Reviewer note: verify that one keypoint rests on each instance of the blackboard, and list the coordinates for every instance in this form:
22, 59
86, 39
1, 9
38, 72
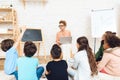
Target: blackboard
32, 35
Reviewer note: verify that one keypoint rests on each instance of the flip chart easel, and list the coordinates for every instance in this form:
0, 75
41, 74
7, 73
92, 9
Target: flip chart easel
101, 21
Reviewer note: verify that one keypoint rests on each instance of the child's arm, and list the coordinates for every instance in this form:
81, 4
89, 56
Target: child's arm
75, 62
47, 75
19, 38
104, 61
47, 72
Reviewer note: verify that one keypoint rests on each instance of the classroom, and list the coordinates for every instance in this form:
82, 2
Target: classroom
41, 20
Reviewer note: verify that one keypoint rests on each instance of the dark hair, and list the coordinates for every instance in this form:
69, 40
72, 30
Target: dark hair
84, 45
63, 22
6, 44
114, 33
110, 32
29, 49
107, 32
112, 40
56, 51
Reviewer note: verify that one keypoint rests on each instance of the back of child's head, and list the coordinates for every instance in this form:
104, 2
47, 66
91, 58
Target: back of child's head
83, 43
56, 51
29, 49
6, 44
112, 40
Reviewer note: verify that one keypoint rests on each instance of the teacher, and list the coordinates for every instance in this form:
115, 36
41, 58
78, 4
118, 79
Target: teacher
63, 33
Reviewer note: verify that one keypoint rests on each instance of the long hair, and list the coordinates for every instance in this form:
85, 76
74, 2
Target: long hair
84, 45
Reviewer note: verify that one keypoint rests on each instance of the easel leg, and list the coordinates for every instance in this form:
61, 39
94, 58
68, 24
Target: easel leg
94, 45
38, 50
44, 54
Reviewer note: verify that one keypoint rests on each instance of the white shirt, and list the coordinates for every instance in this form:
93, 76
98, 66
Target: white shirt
81, 64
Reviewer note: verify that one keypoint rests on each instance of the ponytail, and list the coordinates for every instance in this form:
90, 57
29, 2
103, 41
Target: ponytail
92, 61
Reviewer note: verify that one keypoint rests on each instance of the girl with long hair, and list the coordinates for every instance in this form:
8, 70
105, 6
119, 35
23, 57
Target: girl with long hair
84, 61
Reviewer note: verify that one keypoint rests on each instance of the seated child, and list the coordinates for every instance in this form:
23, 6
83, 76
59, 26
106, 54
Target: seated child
28, 66
84, 65
100, 52
111, 57
9, 46
57, 68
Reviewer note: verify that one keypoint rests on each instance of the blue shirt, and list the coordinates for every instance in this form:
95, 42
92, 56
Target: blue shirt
10, 60
27, 67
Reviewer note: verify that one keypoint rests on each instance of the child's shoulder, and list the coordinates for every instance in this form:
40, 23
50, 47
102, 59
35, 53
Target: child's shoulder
12, 49
56, 61
63, 61
50, 62
27, 58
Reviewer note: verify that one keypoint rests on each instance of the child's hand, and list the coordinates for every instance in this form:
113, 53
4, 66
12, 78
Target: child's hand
46, 72
20, 36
